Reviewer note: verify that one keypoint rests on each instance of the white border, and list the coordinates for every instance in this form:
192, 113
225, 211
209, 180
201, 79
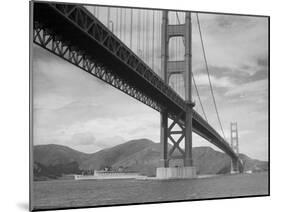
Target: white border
15, 104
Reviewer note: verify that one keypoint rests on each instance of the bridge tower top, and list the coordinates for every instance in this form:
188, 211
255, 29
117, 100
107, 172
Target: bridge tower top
177, 67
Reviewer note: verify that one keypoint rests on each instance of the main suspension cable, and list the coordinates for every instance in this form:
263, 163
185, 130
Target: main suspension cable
208, 73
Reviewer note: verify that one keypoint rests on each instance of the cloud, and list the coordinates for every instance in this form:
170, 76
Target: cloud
253, 88
230, 41
127, 128
224, 82
85, 138
111, 141
86, 142
263, 61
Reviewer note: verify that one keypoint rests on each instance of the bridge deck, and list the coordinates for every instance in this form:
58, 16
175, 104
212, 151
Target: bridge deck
74, 34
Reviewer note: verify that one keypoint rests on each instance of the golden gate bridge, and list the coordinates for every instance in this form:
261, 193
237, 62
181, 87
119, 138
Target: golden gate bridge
145, 53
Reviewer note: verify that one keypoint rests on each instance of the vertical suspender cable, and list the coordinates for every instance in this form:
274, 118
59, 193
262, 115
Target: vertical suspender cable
108, 16
117, 21
97, 11
131, 29
143, 32
125, 25
147, 36
159, 41
121, 15
153, 39
138, 28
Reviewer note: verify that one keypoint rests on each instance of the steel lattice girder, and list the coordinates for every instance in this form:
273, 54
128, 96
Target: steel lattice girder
49, 42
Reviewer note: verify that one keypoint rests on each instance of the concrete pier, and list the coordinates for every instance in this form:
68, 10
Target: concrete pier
186, 172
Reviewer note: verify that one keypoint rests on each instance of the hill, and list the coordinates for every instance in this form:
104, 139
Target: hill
140, 155
53, 154
51, 161
110, 156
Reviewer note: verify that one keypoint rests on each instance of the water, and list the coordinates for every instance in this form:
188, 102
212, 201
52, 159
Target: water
71, 193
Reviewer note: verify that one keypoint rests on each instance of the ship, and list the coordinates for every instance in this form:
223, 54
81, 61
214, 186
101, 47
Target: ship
108, 174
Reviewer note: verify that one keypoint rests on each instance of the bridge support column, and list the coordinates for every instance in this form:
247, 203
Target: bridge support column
164, 162
188, 91
234, 167
164, 139
181, 127
188, 137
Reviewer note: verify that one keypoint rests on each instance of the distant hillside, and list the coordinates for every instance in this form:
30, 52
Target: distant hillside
209, 161
53, 154
51, 161
252, 164
110, 156
141, 155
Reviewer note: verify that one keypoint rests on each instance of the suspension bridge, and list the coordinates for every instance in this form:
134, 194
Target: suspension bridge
146, 54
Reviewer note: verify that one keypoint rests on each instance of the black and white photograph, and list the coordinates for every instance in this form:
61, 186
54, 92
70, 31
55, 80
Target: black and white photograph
132, 105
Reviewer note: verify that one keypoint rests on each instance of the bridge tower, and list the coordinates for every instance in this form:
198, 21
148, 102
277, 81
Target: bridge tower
235, 145
184, 130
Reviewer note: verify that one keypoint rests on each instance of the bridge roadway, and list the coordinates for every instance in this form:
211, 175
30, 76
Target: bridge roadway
74, 34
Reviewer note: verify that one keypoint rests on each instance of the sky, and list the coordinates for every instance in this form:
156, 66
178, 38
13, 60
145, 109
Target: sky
75, 109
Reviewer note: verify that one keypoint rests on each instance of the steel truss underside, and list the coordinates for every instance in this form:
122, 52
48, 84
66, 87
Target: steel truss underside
48, 41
